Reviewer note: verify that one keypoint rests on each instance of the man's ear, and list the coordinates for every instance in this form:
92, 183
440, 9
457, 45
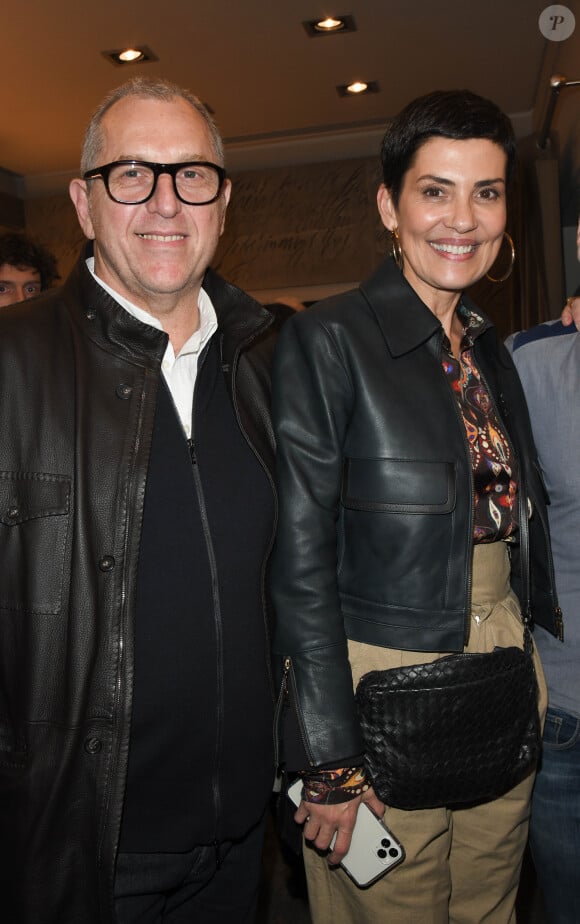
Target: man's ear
386, 207
79, 193
224, 200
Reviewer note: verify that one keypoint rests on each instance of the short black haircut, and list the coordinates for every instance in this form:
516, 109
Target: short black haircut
456, 114
23, 252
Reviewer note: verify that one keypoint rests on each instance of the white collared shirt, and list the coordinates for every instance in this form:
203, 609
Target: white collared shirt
180, 371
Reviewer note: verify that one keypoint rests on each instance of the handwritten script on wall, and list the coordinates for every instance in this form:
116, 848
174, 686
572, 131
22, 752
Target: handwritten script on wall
310, 224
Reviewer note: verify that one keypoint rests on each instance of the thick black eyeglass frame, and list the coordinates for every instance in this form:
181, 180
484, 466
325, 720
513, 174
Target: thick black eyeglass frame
157, 169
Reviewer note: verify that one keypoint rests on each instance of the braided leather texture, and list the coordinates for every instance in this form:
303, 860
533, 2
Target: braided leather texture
462, 730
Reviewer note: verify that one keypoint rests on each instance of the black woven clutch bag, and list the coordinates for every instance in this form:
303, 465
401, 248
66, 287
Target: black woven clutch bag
462, 730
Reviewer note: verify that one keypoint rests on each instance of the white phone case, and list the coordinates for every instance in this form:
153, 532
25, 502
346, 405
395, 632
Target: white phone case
373, 851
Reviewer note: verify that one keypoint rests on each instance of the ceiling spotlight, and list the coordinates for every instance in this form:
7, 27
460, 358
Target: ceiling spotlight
331, 25
358, 88
135, 55
131, 55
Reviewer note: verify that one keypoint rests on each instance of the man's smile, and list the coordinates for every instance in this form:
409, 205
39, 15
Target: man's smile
164, 238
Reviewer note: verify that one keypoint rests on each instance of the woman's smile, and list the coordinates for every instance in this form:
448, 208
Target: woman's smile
450, 217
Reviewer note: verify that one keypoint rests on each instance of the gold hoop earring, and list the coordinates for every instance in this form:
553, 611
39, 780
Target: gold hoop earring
396, 252
507, 274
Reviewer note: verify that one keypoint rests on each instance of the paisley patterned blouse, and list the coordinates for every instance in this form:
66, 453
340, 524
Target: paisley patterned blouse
492, 458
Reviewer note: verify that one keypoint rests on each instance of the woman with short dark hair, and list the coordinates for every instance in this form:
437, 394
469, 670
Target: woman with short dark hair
412, 525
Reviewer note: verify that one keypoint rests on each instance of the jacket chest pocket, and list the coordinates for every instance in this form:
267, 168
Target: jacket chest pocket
34, 520
403, 486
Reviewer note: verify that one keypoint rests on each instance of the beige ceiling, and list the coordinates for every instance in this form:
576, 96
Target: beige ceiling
272, 88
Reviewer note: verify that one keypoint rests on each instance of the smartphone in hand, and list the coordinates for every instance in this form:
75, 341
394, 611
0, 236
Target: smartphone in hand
373, 850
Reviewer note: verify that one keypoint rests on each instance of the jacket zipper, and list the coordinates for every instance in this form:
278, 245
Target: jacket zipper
112, 803
232, 372
216, 605
213, 565
288, 693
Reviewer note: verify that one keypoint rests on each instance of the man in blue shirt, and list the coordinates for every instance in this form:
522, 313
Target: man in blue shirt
548, 361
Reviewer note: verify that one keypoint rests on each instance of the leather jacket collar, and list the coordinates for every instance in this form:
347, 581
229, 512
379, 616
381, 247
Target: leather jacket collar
107, 324
404, 319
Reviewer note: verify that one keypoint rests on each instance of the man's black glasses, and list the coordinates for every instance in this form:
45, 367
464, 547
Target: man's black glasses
131, 182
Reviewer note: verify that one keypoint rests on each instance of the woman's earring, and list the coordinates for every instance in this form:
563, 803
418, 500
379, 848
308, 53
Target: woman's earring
396, 252
508, 272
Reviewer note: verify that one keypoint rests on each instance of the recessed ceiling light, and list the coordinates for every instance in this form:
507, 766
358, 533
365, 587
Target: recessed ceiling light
138, 54
358, 88
131, 55
330, 25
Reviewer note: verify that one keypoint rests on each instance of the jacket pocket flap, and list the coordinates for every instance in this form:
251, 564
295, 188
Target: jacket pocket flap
29, 495
398, 486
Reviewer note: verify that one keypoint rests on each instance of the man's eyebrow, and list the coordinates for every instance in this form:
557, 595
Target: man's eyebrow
186, 159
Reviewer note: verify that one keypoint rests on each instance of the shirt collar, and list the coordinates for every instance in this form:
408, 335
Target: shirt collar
207, 316
473, 322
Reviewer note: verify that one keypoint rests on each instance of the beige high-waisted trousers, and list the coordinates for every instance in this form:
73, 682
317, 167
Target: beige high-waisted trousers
461, 866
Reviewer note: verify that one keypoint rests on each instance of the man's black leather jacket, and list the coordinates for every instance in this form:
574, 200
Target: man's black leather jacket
78, 384
376, 498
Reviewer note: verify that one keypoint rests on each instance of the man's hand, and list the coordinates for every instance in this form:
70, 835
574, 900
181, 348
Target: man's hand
322, 822
571, 312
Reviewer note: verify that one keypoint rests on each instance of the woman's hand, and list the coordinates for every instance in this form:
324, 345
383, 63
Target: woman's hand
571, 312
322, 822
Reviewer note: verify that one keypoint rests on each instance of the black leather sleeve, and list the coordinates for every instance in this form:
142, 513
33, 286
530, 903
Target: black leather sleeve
312, 405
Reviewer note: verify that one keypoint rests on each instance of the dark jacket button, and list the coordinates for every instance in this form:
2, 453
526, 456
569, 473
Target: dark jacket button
93, 745
13, 513
124, 391
91, 315
107, 563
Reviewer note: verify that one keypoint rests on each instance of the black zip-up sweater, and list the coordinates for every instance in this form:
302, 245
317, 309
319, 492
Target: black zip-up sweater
200, 762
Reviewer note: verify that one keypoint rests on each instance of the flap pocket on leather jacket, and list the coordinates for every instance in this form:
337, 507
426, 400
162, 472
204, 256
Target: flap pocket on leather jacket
398, 486
34, 520
28, 495
12, 749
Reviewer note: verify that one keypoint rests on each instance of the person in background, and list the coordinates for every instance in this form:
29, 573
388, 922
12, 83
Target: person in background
547, 358
137, 517
577, 292
284, 308
571, 310
406, 476
26, 268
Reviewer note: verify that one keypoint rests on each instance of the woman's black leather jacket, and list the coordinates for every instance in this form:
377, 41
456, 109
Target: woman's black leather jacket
376, 497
